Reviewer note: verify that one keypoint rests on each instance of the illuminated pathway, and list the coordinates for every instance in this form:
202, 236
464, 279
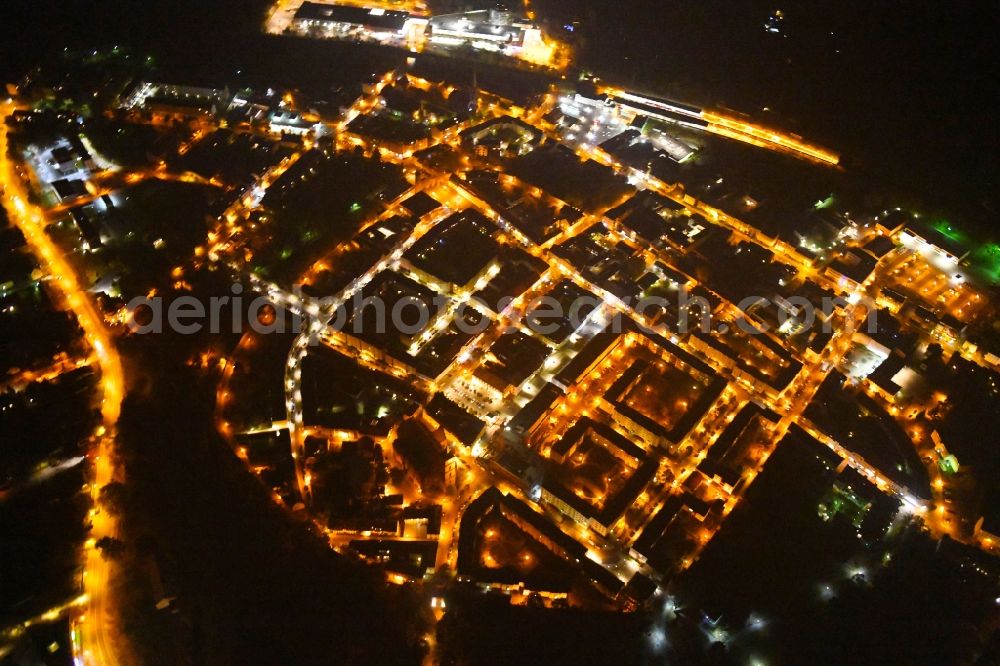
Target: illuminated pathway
317, 330
765, 137
91, 642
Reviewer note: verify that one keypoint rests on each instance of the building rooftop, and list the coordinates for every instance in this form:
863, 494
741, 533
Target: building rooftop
855, 264
384, 19
529, 415
725, 457
599, 345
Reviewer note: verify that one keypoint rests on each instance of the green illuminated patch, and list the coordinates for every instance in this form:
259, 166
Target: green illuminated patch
841, 500
986, 261
945, 228
949, 465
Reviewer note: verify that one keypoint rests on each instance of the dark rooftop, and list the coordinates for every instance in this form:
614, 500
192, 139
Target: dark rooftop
387, 19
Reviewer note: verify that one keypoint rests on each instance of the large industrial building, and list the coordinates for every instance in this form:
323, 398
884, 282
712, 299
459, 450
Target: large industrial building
333, 20
489, 30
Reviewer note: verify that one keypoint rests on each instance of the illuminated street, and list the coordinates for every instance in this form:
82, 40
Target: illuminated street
471, 333
96, 644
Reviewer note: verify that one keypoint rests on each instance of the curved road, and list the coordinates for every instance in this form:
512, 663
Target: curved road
92, 643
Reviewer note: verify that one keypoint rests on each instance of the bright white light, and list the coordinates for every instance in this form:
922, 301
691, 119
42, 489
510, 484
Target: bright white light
657, 639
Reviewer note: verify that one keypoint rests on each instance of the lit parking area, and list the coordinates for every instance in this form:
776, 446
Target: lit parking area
941, 285
589, 124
